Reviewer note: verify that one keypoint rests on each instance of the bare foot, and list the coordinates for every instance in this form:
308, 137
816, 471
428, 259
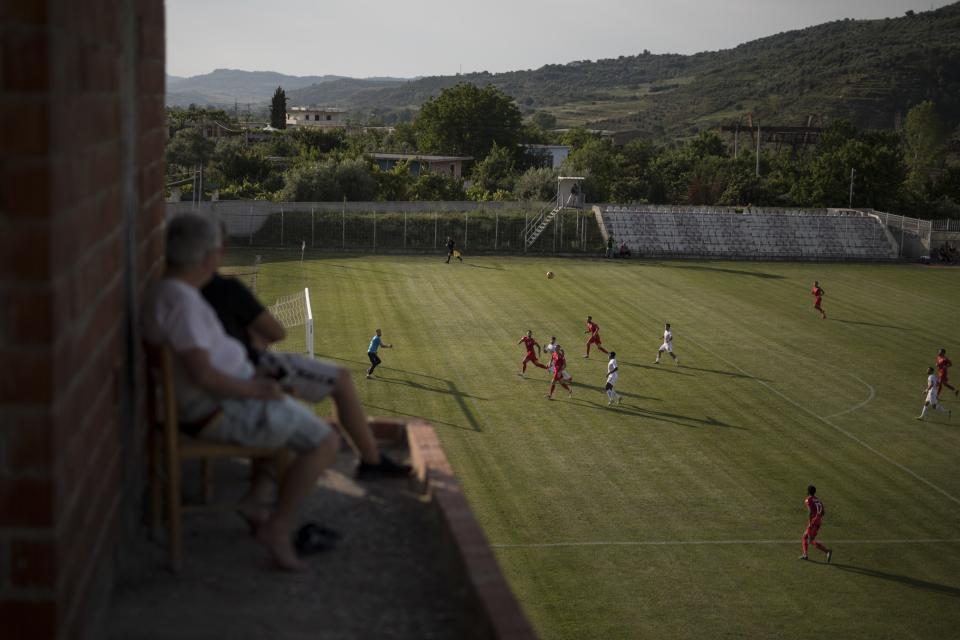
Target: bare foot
255, 514
277, 541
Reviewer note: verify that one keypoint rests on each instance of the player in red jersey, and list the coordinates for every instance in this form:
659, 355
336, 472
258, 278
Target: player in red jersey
943, 364
815, 508
559, 364
594, 330
530, 344
818, 294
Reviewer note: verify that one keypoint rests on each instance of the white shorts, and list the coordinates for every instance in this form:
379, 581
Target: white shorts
932, 397
267, 423
666, 346
307, 379
612, 378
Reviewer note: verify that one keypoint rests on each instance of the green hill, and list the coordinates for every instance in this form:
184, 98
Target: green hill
867, 71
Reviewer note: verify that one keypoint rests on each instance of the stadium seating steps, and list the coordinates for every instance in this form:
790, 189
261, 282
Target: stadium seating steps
726, 233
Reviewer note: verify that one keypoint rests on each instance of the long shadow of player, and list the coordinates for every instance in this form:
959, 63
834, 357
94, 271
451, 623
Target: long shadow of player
870, 324
621, 393
737, 272
732, 374
904, 580
482, 266
451, 389
669, 368
659, 416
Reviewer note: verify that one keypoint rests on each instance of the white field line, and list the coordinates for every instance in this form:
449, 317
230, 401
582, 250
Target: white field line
826, 421
873, 392
694, 543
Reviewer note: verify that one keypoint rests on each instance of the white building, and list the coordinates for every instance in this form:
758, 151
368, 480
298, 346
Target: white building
550, 156
323, 117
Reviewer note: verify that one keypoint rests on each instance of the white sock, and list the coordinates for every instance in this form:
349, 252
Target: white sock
923, 412
610, 394
941, 408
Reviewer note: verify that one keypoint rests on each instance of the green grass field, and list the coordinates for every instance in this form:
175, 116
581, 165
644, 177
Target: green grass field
678, 514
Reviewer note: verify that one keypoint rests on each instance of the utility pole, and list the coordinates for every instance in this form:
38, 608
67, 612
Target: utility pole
850, 203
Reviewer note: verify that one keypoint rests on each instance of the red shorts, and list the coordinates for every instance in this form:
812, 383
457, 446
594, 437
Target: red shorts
557, 375
595, 339
530, 357
816, 303
812, 529
942, 376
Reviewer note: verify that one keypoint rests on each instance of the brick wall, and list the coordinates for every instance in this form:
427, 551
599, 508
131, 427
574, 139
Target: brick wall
81, 144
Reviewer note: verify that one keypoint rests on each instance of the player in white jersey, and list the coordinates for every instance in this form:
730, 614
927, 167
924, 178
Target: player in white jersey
612, 369
667, 345
550, 348
931, 399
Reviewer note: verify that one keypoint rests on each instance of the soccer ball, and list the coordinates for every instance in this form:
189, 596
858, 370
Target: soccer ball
550, 275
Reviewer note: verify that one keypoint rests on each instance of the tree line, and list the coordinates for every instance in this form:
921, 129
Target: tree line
910, 172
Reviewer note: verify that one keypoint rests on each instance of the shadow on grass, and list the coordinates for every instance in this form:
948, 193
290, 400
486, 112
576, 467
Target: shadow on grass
671, 368
736, 272
600, 389
434, 421
659, 416
450, 389
480, 266
904, 580
732, 374
870, 324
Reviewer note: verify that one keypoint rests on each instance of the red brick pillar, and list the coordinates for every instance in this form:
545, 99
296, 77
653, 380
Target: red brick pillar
81, 144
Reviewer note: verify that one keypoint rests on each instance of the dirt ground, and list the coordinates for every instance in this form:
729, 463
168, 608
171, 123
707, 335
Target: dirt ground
392, 576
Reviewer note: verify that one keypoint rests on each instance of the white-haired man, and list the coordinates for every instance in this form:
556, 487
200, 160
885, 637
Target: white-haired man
218, 394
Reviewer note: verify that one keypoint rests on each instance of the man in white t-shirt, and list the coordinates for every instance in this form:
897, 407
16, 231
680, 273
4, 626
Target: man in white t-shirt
667, 345
931, 399
612, 375
218, 395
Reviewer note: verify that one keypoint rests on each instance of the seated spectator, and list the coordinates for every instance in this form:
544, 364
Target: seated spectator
624, 250
244, 318
219, 397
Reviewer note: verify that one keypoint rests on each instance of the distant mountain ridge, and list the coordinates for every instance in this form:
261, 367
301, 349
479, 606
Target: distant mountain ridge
222, 87
867, 71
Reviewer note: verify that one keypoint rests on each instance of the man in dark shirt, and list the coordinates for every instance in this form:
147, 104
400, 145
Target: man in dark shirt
242, 315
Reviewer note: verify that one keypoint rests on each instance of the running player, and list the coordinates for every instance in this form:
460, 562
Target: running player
815, 508
375, 343
559, 363
612, 368
818, 294
594, 330
943, 363
931, 399
530, 344
550, 348
667, 345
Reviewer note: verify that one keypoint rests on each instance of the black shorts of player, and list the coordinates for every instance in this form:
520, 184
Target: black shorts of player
374, 361
608, 387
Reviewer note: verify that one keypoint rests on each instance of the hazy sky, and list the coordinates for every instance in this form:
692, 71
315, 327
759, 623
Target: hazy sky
363, 38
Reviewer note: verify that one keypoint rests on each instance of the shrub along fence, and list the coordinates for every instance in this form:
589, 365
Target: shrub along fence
395, 227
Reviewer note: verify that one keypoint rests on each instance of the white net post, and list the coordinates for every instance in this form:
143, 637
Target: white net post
308, 325
295, 314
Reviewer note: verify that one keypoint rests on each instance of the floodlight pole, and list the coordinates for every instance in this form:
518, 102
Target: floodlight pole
758, 149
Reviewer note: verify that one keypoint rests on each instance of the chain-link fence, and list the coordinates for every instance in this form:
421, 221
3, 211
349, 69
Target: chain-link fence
403, 227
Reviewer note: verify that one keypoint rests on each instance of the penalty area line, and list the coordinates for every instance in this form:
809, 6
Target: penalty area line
696, 543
